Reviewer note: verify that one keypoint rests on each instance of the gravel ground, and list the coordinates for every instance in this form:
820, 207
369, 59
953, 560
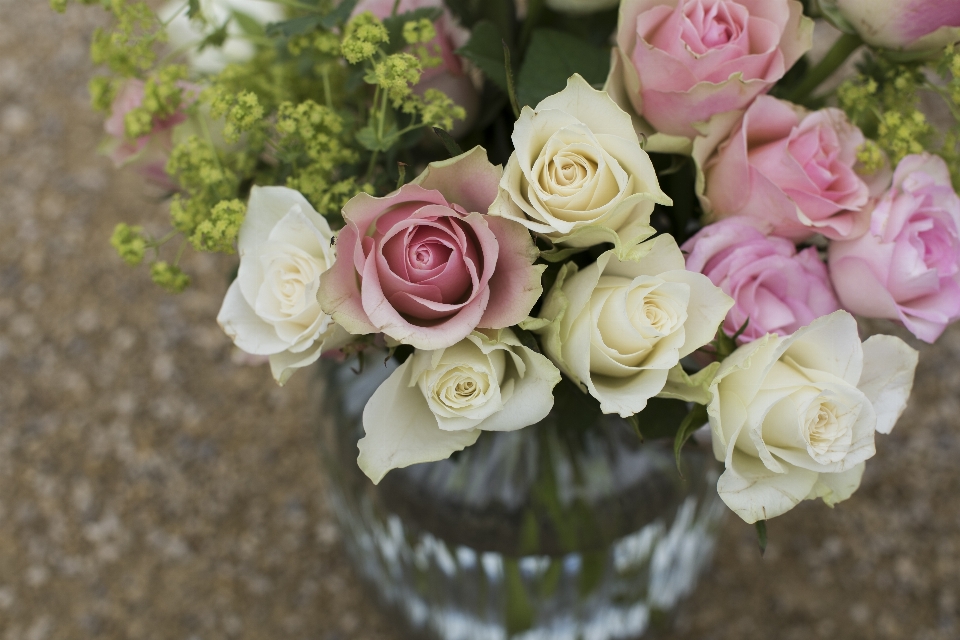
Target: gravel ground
151, 488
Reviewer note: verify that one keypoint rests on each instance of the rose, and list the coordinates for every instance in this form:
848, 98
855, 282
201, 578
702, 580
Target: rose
187, 34
793, 418
775, 289
425, 266
792, 170
908, 25
618, 327
579, 175
271, 308
581, 6
680, 62
148, 153
438, 402
450, 76
907, 266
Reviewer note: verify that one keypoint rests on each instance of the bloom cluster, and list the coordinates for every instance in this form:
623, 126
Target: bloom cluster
689, 221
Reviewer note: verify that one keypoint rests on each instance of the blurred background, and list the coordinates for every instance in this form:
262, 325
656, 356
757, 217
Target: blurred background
153, 487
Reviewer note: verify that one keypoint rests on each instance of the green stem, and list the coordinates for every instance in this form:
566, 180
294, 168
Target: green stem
326, 87
293, 4
839, 52
183, 245
165, 23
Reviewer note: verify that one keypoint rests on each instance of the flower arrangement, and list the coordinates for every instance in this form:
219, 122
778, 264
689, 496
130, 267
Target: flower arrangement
657, 200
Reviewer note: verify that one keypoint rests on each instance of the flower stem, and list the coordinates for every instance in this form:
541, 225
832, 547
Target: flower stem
839, 52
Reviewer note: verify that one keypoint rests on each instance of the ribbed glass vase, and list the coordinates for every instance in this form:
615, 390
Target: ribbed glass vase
551, 532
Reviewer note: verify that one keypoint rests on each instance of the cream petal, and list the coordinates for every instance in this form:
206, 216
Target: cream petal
247, 330
400, 429
889, 365
707, 308
755, 493
591, 107
837, 487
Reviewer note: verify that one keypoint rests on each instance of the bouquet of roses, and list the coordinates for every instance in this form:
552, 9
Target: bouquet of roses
657, 200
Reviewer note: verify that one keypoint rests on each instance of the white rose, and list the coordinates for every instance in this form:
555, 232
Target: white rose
186, 34
618, 327
579, 175
271, 308
793, 418
438, 402
582, 6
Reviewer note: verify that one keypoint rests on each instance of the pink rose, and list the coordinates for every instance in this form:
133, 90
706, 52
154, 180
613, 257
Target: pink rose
909, 25
791, 169
147, 153
907, 266
778, 289
450, 77
683, 61
426, 266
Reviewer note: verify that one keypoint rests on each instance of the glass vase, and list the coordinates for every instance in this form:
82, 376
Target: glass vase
552, 532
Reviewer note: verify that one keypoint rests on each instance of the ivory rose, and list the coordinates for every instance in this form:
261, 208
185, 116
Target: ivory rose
450, 76
578, 174
618, 327
793, 418
790, 169
438, 402
773, 286
904, 25
680, 62
907, 266
271, 308
184, 34
426, 266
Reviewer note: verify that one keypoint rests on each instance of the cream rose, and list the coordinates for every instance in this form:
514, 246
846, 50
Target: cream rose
438, 402
618, 327
793, 418
271, 309
578, 175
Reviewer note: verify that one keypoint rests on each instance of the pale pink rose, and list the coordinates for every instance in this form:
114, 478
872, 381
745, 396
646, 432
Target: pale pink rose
777, 288
148, 154
684, 61
426, 266
793, 170
907, 266
907, 25
450, 77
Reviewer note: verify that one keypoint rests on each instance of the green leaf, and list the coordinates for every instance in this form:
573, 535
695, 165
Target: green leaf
661, 418
519, 614
485, 49
250, 26
761, 526
216, 38
553, 57
448, 142
369, 139
294, 26
394, 25
339, 15
694, 420
193, 9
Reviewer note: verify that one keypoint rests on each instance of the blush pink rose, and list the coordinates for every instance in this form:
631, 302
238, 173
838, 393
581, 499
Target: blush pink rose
907, 266
683, 61
148, 154
426, 266
793, 170
777, 288
908, 25
451, 77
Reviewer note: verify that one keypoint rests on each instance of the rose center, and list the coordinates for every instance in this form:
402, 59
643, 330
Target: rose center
428, 255
461, 388
571, 170
708, 28
826, 428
